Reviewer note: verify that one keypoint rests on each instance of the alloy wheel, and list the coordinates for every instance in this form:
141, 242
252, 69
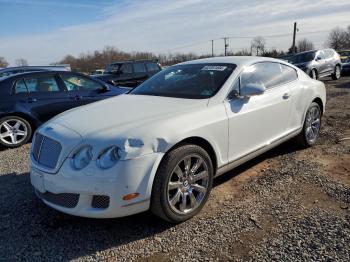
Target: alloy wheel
313, 123
188, 184
337, 72
13, 131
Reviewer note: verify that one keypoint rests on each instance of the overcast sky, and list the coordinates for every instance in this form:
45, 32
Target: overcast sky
45, 31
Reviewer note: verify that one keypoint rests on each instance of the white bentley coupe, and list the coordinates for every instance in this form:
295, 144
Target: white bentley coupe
159, 147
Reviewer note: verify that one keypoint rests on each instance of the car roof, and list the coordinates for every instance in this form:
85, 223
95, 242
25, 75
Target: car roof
237, 60
131, 61
31, 73
48, 67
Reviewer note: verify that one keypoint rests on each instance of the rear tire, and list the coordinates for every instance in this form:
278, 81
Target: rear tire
182, 183
311, 127
337, 73
14, 131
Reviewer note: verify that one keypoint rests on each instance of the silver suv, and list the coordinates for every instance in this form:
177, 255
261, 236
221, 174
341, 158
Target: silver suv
318, 63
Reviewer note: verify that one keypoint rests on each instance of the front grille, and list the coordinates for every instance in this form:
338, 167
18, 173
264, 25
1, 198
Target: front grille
68, 200
99, 201
46, 151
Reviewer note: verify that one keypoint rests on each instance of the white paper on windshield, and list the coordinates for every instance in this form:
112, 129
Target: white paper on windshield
214, 68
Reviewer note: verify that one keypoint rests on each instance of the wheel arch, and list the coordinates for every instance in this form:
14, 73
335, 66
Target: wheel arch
26, 117
203, 143
319, 101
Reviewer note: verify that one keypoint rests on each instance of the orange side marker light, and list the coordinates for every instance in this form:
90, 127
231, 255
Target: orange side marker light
130, 196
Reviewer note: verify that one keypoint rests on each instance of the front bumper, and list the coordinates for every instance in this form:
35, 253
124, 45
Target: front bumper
75, 192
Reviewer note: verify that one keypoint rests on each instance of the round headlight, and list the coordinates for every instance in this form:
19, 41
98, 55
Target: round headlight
82, 157
108, 157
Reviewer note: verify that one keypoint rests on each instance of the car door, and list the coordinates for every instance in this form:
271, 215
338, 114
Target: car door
45, 98
257, 121
331, 60
322, 65
83, 90
126, 76
140, 72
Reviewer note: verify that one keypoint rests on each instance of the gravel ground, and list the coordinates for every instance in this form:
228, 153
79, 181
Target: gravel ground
288, 204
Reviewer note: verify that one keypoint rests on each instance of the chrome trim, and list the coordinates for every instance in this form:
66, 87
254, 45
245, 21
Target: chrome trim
223, 169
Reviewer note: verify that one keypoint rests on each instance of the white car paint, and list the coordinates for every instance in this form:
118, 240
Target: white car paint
145, 128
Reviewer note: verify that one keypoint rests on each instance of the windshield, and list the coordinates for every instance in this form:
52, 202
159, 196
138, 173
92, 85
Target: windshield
302, 58
112, 68
187, 81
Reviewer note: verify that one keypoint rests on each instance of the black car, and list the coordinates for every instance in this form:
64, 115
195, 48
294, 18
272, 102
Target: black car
29, 99
129, 73
318, 63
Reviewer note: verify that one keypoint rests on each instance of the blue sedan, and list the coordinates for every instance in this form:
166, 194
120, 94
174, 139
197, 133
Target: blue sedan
27, 100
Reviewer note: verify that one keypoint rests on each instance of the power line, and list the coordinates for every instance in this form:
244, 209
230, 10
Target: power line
240, 37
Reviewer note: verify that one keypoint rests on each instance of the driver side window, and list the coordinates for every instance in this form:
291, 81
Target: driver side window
266, 74
78, 83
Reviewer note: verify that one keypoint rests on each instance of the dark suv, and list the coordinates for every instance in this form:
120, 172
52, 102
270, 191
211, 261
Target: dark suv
29, 99
129, 73
318, 63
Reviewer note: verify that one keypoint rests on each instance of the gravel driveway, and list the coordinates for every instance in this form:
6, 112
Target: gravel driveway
288, 204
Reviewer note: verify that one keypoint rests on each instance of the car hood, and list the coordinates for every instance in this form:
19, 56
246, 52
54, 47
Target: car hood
125, 113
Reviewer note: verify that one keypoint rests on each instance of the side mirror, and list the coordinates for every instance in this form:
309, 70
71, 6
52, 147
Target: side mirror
105, 88
252, 90
318, 58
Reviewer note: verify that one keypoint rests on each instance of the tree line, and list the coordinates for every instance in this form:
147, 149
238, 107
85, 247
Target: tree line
338, 39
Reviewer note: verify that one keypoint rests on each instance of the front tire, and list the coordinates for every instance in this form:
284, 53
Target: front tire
337, 73
182, 183
14, 131
311, 127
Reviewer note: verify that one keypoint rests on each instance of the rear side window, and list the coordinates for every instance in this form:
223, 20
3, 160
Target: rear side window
42, 84
126, 68
288, 74
139, 68
266, 73
152, 67
20, 87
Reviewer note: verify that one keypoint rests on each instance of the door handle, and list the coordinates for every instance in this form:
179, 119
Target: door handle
31, 100
77, 98
286, 96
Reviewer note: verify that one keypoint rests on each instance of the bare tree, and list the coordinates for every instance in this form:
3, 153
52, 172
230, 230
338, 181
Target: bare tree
3, 62
21, 62
338, 38
305, 45
258, 44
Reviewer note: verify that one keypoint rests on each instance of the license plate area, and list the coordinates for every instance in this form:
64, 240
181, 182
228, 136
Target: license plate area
37, 180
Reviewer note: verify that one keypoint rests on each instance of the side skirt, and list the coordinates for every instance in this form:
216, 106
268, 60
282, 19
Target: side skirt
255, 153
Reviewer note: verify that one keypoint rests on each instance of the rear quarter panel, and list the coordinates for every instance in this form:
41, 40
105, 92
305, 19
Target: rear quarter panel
305, 91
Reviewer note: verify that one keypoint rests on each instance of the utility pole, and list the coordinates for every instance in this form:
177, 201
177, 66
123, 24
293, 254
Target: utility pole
294, 34
226, 45
212, 47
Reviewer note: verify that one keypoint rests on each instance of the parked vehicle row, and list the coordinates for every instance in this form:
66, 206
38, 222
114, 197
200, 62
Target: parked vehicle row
159, 146
318, 63
27, 100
